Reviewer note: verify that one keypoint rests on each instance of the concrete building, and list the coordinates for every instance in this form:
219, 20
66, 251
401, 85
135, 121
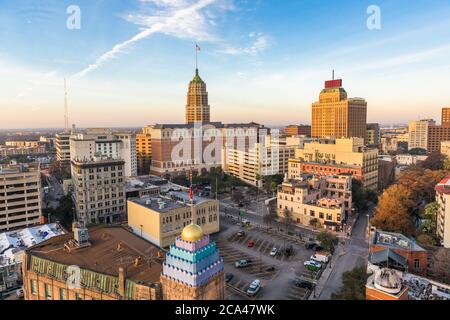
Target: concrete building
103, 142
20, 196
298, 130
443, 214
445, 117
326, 200
437, 134
418, 133
63, 148
12, 246
197, 107
144, 150
445, 148
160, 219
21, 143
98, 189
328, 156
409, 159
142, 186
336, 115
112, 264
13, 151
263, 159
389, 145
372, 134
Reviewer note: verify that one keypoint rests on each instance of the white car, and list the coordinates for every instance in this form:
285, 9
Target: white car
274, 252
254, 287
19, 293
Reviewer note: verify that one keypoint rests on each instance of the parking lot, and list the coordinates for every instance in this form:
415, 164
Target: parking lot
277, 273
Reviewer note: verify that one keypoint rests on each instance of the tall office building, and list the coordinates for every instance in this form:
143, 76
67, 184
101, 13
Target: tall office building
20, 196
372, 134
335, 115
298, 130
144, 150
63, 148
418, 133
445, 117
197, 107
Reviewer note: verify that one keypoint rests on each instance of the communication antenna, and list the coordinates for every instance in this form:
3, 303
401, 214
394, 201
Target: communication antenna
66, 112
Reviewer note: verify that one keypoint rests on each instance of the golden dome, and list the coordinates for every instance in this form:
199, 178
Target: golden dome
192, 233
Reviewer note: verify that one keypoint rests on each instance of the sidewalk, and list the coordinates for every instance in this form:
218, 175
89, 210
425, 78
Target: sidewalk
340, 251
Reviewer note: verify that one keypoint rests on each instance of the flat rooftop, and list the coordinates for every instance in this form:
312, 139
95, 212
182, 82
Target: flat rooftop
12, 243
105, 255
394, 241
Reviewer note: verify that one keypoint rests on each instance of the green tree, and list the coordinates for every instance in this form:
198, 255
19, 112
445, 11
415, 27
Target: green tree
288, 221
327, 240
314, 222
429, 218
353, 285
237, 196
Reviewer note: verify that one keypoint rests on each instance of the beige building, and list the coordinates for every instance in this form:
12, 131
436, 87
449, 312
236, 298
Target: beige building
99, 189
22, 143
20, 196
349, 153
327, 200
197, 107
144, 150
160, 219
100, 263
418, 133
443, 214
63, 148
336, 115
445, 148
372, 134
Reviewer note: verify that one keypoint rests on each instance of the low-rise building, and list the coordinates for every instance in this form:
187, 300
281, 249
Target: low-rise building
100, 263
443, 214
160, 219
12, 246
142, 186
445, 148
325, 200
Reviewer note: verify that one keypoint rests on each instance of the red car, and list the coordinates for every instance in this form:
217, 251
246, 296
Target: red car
250, 244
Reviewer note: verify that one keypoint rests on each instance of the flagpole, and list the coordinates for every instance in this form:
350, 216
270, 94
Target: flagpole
196, 57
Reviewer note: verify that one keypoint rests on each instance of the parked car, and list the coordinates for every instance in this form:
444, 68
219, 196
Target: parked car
321, 256
250, 244
289, 250
312, 265
229, 277
241, 234
254, 287
242, 263
304, 284
310, 245
274, 252
20, 293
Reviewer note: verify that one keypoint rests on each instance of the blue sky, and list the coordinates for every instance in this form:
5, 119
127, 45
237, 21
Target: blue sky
263, 60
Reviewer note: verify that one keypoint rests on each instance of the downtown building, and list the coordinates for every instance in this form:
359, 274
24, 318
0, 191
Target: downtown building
297, 130
443, 215
20, 196
62, 143
317, 201
144, 150
418, 133
372, 135
337, 156
336, 115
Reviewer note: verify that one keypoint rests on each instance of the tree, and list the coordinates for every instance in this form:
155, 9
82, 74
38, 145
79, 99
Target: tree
441, 263
353, 285
435, 161
426, 239
361, 196
287, 219
327, 240
393, 210
418, 151
269, 217
429, 218
63, 213
237, 196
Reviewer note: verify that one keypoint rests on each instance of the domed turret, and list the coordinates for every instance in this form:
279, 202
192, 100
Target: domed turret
192, 233
388, 280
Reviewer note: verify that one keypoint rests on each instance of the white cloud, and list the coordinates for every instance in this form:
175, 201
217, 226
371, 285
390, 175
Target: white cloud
260, 43
178, 18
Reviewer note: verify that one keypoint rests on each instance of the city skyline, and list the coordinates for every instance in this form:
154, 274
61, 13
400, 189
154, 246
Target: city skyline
139, 56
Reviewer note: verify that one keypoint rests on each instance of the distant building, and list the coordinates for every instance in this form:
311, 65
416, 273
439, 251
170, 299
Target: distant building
193, 269
12, 246
416, 258
437, 134
22, 143
197, 107
372, 134
98, 189
298, 130
445, 148
142, 186
144, 150
113, 264
418, 133
333, 156
409, 159
445, 117
63, 148
160, 219
336, 115
326, 199
389, 145
386, 172
13, 151
443, 214
20, 196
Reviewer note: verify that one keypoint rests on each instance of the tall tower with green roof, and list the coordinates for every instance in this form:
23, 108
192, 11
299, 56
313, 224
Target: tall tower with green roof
197, 107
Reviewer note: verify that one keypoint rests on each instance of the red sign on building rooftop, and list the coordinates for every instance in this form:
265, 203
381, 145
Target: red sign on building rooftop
333, 83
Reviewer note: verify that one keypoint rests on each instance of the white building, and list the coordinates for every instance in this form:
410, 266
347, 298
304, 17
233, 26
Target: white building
418, 133
63, 148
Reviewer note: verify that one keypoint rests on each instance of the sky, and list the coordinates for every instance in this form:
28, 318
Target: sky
129, 62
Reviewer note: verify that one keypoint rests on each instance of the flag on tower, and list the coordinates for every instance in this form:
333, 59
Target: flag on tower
197, 48
191, 195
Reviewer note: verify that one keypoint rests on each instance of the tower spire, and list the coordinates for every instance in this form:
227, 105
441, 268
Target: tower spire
197, 50
333, 74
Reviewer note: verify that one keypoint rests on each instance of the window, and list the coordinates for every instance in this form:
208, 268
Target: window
62, 294
33, 285
48, 292
416, 264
